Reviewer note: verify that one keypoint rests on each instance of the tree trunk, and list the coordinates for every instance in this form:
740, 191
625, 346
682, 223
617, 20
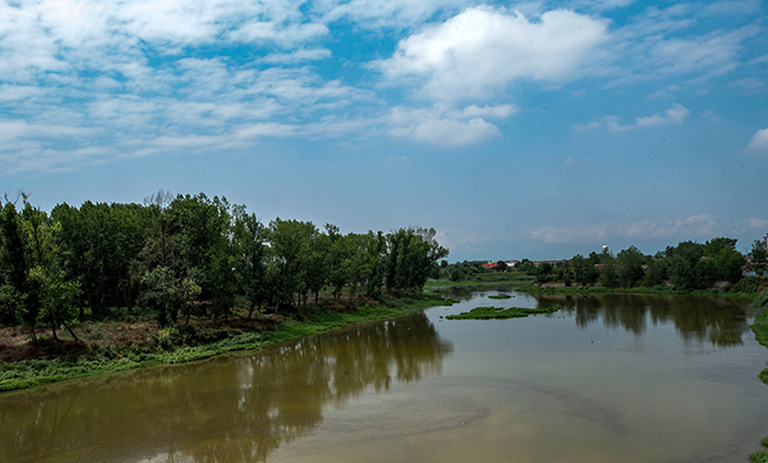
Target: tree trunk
71, 332
53, 326
32, 332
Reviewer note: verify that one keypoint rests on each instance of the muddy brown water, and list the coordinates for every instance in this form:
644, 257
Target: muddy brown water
606, 379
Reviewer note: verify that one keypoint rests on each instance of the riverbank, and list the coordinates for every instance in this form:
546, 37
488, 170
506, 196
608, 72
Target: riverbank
600, 290
173, 345
481, 281
760, 328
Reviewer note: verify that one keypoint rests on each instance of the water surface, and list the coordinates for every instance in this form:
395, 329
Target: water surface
610, 378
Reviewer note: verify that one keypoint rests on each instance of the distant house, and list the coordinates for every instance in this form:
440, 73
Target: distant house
755, 267
511, 263
490, 265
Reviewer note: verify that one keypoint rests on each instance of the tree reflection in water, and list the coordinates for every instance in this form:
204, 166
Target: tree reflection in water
718, 321
232, 409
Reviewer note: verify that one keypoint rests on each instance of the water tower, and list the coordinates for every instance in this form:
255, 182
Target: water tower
605, 248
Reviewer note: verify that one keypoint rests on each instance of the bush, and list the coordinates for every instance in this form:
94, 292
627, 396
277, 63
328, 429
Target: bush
750, 285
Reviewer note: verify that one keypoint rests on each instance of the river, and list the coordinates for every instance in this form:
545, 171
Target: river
605, 379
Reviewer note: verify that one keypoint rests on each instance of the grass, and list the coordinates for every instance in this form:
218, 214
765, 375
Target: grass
480, 280
656, 290
500, 296
495, 313
29, 373
760, 327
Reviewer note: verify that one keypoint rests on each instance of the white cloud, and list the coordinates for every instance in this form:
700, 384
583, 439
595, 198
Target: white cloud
695, 226
755, 222
759, 141
297, 56
483, 49
384, 14
446, 126
285, 35
572, 234
699, 226
666, 43
672, 116
15, 129
714, 53
600, 5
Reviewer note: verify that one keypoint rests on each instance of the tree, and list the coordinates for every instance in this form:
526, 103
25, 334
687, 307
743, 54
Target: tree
609, 277
583, 270
758, 251
18, 292
722, 262
544, 273
251, 257
629, 266
161, 294
99, 242
200, 228
684, 269
409, 256
657, 271
291, 242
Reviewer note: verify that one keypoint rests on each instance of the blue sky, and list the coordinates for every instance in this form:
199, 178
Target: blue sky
516, 129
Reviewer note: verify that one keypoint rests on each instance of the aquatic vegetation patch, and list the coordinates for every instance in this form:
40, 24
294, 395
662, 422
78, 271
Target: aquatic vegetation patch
496, 313
759, 457
500, 296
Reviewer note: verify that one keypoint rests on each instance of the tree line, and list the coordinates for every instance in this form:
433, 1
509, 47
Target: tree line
188, 255
689, 266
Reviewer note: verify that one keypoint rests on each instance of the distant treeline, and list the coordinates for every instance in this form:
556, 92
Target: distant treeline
688, 266
188, 255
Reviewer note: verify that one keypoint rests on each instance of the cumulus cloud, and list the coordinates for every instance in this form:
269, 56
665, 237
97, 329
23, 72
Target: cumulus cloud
754, 222
483, 49
572, 234
445, 126
759, 141
695, 226
698, 226
672, 116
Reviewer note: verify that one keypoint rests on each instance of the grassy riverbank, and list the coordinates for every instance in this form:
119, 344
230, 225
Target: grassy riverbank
760, 327
173, 345
482, 280
599, 290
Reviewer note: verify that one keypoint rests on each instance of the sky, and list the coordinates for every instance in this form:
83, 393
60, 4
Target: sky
537, 129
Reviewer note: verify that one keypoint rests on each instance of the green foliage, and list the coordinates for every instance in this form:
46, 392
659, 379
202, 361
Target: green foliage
499, 296
759, 457
495, 313
758, 251
409, 256
656, 273
750, 284
629, 267
684, 269
544, 273
609, 277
